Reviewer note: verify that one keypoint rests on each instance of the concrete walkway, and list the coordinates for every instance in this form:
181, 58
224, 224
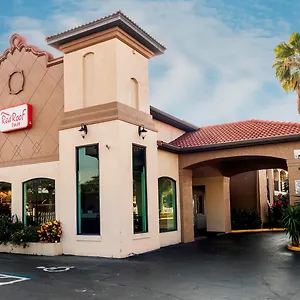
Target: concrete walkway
236, 267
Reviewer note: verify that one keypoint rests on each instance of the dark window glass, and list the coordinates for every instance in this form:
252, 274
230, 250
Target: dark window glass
167, 204
39, 201
140, 222
88, 203
5, 198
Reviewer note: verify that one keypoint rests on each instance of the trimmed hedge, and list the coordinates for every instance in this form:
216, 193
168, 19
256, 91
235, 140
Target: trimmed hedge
245, 219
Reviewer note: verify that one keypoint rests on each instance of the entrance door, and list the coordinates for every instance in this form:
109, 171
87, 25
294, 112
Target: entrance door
199, 213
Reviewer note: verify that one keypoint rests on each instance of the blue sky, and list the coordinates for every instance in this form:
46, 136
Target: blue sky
218, 63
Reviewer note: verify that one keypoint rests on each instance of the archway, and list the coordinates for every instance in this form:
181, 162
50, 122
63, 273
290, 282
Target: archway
214, 174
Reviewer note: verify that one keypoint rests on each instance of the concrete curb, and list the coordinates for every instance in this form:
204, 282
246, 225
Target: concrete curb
258, 230
293, 248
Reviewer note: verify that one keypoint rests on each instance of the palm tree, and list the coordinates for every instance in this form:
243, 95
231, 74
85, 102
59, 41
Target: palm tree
291, 223
287, 65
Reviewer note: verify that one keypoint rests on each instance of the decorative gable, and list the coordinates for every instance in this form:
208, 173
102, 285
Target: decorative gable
31, 75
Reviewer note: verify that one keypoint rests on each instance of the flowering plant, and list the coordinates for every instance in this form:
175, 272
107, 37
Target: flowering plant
279, 206
50, 232
281, 201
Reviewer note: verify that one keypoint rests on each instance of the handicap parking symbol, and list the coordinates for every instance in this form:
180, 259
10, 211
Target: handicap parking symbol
55, 269
6, 279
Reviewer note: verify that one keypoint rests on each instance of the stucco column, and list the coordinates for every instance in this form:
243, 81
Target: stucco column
16, 204
262, 194
217, 204
294, 174
186, 205
270, 174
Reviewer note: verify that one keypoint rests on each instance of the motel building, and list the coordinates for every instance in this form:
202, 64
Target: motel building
80, 142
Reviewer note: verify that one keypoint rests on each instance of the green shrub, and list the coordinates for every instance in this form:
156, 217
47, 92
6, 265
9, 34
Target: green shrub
8, 226
291, 222
25, 235
13, 231
245, 219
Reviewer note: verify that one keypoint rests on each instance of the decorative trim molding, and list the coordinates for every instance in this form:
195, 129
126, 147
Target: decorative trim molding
103, 36
30, 161
105, 113
21, 88
117, 19
18, 42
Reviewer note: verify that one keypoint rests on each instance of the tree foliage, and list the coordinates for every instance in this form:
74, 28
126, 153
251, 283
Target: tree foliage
287, 64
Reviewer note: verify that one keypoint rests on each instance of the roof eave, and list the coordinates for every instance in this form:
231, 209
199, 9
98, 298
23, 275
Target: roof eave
167, 147
116, 20
166, 118
231, 145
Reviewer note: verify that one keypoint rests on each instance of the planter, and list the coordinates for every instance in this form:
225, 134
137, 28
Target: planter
293, 248
46, 249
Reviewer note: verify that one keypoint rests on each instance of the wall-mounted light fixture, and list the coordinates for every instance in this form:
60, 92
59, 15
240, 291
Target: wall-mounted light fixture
142, 131
83, 130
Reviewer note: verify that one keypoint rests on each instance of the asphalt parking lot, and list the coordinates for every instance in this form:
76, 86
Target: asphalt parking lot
236, 267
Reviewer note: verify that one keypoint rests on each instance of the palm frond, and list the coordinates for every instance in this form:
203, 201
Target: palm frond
294, 41
287, 64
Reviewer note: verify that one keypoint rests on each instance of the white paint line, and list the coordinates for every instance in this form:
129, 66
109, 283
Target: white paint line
15, 279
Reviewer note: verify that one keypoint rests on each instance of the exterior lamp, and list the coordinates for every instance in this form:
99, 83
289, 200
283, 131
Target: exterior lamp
142, 131
83, 130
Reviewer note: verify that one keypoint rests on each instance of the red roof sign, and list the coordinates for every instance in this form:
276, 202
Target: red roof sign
16, 118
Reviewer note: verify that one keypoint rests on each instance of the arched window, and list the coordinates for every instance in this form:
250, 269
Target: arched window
5, 198
38, 201
167, 204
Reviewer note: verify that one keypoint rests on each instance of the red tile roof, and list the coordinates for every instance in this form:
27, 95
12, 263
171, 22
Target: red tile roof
236, 132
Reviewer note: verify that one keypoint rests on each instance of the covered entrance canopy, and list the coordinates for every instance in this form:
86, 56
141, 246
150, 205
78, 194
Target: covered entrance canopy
210, 155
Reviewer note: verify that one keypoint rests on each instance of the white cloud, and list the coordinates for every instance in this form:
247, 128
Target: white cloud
217, 68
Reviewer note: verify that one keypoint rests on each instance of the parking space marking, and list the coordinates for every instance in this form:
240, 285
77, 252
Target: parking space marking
11, 279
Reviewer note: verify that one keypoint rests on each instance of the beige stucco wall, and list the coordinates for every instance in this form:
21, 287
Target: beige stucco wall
217, 203
131, 64
166, 132
168, 167
115, 64
19, 174
243, 191
104, 75
115, 140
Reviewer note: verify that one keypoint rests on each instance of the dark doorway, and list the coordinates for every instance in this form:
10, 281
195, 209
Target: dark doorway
199, 210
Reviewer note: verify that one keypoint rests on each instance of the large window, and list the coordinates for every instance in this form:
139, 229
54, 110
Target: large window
5, 198
39, 201
140, 222
167, 204
88, 199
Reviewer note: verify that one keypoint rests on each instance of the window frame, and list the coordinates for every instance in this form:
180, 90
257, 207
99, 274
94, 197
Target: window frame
78, 210
175, 219
24, 219
146, 187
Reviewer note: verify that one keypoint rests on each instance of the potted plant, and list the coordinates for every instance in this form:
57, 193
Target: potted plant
291, 221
